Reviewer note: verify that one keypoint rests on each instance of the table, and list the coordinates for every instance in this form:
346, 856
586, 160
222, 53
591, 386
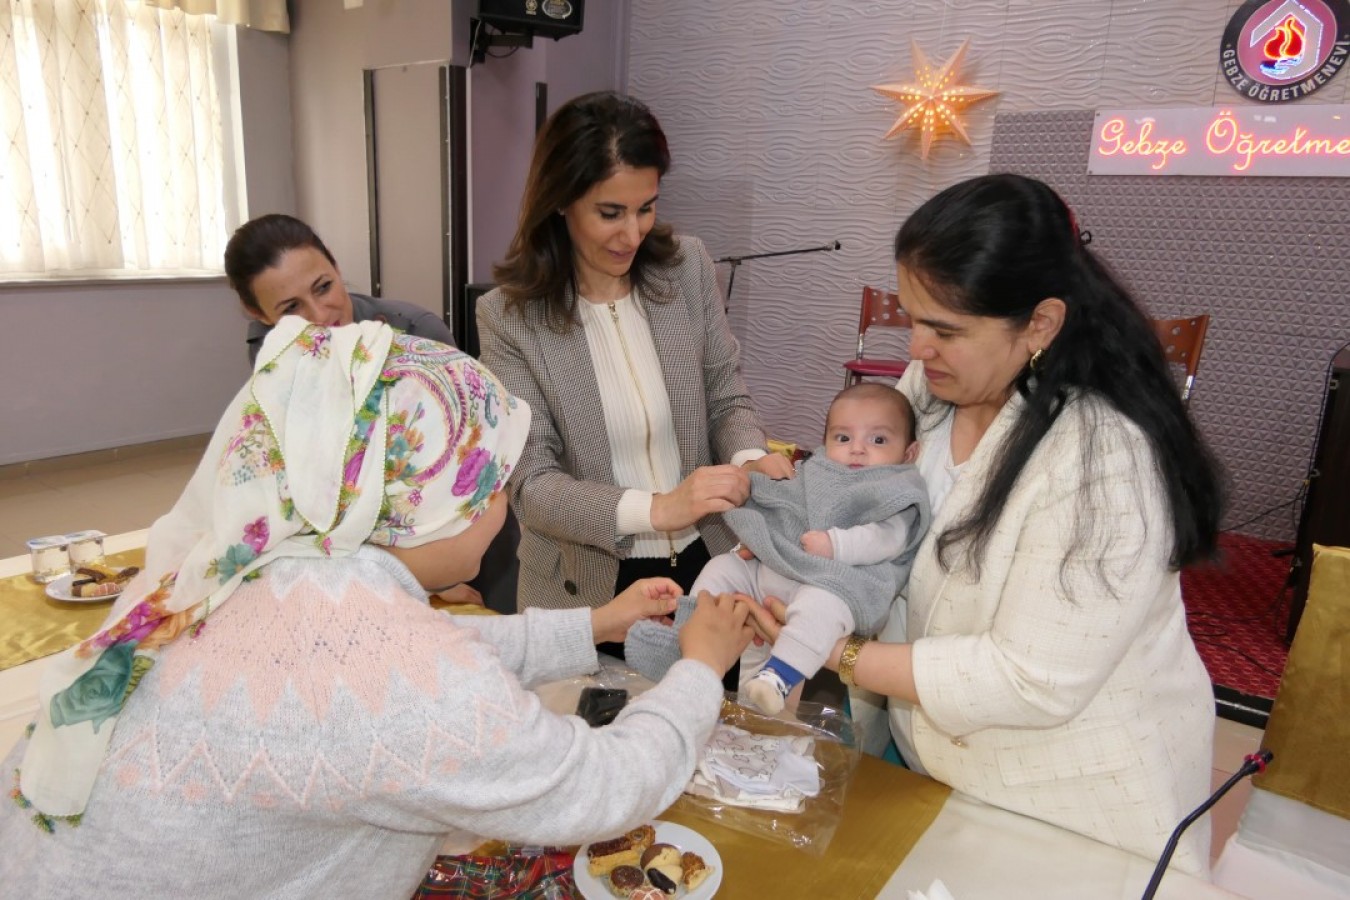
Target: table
19, 684
977, 850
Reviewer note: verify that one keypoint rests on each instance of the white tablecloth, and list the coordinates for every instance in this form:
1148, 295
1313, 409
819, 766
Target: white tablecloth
981, 851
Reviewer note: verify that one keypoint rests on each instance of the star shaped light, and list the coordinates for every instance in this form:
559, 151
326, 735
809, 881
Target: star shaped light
934, 98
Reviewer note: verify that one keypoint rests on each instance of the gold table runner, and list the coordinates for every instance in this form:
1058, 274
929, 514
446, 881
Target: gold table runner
460, 609
886, 810
37, 626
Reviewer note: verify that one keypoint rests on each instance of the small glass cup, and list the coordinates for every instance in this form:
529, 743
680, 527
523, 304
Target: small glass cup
85, 547
49, 558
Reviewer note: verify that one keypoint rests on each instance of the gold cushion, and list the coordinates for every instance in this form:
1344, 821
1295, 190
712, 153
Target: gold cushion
1309, 728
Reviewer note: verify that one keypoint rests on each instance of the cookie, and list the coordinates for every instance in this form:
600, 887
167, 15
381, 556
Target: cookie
623, 880
693, 870
626, 850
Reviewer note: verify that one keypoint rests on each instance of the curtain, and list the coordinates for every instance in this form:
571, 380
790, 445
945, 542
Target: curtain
265, 15
110, 140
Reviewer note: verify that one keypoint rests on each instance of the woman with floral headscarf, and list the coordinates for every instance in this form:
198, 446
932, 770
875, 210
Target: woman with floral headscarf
272, 708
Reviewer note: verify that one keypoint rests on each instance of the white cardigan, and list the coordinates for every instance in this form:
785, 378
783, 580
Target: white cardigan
1091, 711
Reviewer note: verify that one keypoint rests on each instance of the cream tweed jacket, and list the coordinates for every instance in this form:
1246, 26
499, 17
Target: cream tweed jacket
562, 489
1069, 693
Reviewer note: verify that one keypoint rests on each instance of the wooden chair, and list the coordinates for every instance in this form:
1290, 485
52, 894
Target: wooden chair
880, 309
1182, 341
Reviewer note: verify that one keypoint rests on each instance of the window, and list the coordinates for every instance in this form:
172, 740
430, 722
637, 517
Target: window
111, 157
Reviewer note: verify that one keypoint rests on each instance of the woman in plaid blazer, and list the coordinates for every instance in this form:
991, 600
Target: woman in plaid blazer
615, 333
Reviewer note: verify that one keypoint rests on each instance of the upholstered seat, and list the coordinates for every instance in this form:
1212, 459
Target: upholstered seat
1294, 836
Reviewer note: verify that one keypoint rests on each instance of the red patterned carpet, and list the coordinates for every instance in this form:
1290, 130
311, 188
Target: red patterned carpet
1237, 610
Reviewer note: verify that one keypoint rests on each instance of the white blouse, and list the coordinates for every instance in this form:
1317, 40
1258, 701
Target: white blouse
939, 475
638, 421
936, 466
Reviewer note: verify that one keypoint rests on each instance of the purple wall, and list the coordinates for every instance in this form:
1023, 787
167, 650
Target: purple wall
1262, 256
501, 102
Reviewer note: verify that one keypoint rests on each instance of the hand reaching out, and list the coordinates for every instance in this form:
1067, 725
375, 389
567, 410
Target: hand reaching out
775, 465
817, 543
648, 598
717, 632
708, 489
768, 620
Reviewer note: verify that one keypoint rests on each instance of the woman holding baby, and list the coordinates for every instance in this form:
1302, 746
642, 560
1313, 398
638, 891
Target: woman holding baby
1039, 658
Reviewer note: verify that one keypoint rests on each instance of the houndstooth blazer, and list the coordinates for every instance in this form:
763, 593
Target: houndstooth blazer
562, 489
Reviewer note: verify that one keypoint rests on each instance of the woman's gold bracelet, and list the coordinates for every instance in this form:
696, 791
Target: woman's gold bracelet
849, 658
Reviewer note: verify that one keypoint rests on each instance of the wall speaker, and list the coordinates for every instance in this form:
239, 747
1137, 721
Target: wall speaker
545, 18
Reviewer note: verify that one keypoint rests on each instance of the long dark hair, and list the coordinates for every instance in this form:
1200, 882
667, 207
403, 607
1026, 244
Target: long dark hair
582, 143
997, 246
258, 245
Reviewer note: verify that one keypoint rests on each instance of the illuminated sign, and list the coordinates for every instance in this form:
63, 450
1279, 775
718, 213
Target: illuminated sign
1274, 51
1237, 140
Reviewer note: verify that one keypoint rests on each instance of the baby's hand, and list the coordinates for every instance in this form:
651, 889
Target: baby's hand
817, 543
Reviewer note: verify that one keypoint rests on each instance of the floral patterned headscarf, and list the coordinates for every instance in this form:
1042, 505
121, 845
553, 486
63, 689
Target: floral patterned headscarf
343, 436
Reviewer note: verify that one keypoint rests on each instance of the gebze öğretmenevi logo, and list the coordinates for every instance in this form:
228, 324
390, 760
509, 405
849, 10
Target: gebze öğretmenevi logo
1275, 51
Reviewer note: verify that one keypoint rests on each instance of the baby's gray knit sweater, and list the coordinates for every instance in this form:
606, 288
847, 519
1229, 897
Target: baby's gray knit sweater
823, 495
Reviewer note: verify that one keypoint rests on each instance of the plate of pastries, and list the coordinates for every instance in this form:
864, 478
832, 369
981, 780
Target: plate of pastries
91, 583
652, 862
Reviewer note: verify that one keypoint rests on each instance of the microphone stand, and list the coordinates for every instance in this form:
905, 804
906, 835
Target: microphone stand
737, 260
1252, 763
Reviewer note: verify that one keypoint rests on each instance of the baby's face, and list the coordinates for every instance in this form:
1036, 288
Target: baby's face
863, 432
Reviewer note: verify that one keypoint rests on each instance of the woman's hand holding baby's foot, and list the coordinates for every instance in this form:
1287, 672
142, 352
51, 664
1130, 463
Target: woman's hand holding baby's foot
767, 620
648, 598
718, 631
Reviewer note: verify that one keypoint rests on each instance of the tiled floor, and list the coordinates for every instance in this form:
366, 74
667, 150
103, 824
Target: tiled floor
110, 490
127, 489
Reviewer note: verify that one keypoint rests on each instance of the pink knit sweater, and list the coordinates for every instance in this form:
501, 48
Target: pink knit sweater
328, 731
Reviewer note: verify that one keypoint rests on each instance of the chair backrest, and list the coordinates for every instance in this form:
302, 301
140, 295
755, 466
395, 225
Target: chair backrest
1182, 341
880, 309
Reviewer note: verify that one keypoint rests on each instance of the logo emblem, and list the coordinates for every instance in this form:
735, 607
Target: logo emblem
1275, 51
557, 9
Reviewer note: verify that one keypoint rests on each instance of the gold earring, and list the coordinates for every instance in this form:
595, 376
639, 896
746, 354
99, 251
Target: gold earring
1036, 359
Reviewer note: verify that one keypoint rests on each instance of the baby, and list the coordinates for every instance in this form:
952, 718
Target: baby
835, 543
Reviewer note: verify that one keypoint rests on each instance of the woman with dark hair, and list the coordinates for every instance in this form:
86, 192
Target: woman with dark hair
278, 266
614, 331
1042, 662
